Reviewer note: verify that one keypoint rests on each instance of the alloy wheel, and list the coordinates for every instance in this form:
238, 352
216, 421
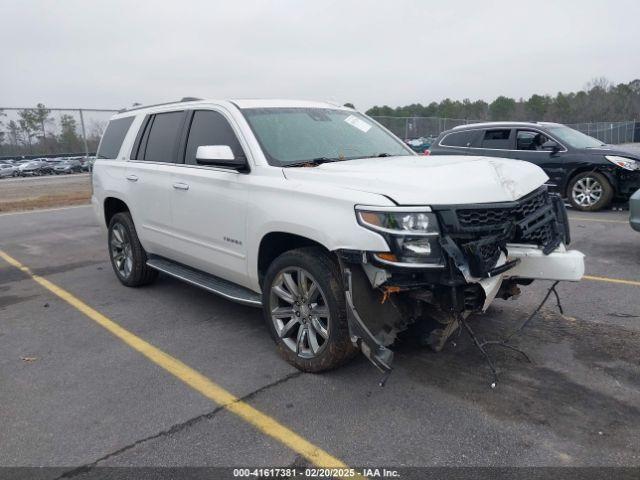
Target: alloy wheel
587, 191
299, 312
121, 253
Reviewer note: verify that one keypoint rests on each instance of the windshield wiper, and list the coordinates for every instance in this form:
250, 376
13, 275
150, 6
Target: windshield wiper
384, 155
313, 162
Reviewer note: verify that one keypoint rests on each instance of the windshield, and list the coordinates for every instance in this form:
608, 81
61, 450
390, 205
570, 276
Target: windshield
575, 138
294, 135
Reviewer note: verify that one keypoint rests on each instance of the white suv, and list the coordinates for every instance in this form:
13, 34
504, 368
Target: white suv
323, 218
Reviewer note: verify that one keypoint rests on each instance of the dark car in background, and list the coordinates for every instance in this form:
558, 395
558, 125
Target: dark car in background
589, 173
70, 165
419, 145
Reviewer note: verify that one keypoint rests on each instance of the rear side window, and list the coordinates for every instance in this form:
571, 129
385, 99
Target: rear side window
113, 137
210, 128
161, 141
459, 139
500, 139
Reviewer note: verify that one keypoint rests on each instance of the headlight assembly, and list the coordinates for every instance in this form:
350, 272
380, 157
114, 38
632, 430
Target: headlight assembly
412, 234
623, 162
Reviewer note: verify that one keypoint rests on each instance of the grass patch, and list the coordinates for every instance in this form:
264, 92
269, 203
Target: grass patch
45, 201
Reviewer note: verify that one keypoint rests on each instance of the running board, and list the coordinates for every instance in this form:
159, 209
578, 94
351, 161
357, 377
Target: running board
208, 282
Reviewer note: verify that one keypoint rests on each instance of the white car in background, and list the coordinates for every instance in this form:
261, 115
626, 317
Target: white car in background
324, 219
8, 170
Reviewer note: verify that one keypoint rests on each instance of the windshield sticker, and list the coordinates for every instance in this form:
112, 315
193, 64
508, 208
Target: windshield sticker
356, 122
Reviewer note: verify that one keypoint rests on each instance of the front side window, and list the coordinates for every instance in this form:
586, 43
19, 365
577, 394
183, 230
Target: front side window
113, 137
574, 138
163, 133
293, 135
210, 128
530, 140
497, 139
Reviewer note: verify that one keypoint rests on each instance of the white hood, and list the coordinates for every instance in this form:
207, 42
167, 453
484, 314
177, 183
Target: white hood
425, 180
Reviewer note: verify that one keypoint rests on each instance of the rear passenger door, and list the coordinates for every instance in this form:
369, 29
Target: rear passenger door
209, 202
149, 180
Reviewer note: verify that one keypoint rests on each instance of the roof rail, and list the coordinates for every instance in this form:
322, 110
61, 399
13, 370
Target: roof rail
138, 107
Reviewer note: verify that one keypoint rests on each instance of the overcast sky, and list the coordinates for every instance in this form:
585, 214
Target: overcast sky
113, 53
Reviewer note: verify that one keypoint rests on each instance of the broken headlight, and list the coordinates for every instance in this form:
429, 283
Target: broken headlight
412, 234
623, 162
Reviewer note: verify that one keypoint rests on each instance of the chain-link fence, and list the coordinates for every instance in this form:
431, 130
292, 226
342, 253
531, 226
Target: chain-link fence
415, 127
50, 132
611, 132
430, 127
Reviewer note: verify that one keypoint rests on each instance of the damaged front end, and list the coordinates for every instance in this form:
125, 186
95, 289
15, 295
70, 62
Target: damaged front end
447, 262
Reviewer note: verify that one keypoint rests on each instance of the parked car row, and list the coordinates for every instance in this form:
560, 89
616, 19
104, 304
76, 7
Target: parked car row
45, 166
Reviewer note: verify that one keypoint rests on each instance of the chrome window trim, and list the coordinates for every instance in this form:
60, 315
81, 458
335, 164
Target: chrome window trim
504, 127
184, 165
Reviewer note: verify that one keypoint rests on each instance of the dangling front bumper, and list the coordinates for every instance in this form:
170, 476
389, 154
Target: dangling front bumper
488, 250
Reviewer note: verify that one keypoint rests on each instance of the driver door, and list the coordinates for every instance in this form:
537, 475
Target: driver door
528, 148
209, 203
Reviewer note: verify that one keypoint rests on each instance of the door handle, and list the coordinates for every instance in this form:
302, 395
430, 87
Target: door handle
180, 186
132, 178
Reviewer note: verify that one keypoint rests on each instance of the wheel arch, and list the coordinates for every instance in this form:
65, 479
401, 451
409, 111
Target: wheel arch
274, 244
113, 205
603, 170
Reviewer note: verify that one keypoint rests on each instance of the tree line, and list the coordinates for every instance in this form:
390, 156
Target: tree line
36, 131
599, 101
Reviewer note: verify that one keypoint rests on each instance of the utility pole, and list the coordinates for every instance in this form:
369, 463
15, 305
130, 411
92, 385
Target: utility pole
84, 134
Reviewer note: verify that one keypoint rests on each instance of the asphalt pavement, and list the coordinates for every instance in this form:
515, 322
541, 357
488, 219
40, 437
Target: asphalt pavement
72, 394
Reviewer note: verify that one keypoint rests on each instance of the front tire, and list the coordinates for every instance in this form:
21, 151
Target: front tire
590, 192
128, 258
305, 310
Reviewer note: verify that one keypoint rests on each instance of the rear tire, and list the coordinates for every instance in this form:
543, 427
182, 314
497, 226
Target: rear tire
128, 258
589, 192
305, 310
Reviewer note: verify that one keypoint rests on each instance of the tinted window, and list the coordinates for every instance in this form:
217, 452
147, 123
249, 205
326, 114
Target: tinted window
113, 137
210, 128
458, 139
161, 143
530, 140
497, 139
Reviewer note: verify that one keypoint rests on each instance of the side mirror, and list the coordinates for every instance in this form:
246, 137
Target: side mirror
220, 155
551, 145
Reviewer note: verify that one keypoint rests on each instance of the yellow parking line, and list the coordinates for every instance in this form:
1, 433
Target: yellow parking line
603, 220
191, 377
611, 280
